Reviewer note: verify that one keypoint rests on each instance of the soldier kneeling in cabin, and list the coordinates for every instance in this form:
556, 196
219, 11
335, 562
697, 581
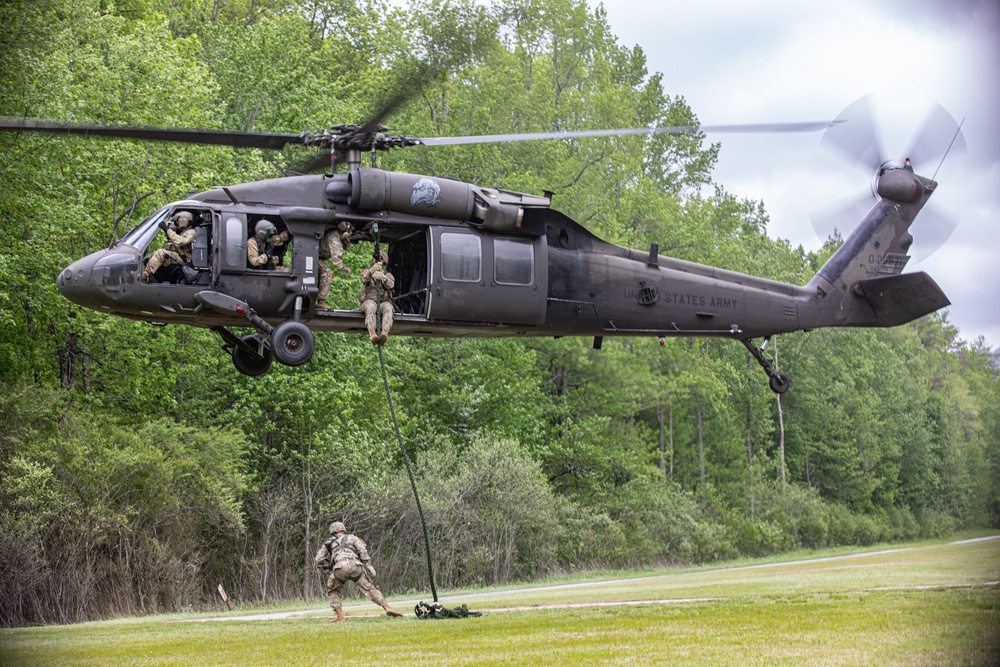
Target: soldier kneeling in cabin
345, 557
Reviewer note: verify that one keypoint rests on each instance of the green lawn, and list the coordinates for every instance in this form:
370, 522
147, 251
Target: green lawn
918, 604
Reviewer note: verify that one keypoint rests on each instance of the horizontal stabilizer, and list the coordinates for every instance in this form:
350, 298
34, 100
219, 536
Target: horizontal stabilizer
900, 299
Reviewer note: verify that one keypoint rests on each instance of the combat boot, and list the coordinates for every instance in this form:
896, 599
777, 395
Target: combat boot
389, 611
340, 616
383, 338
323, 305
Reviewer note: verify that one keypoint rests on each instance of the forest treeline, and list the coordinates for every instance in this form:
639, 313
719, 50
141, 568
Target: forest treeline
139, 469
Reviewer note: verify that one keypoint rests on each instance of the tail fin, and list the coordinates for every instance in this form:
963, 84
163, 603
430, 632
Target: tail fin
861, 284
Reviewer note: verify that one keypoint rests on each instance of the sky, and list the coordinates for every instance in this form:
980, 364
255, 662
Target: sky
770, 61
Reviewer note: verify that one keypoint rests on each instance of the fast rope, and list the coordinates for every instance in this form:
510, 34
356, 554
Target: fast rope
409, 471
395, 423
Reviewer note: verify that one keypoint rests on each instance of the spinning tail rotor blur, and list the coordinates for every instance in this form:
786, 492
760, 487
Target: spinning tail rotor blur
854, 135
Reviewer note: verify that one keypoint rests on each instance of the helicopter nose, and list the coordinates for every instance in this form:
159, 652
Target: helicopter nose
98, 280
75, 274
74, 282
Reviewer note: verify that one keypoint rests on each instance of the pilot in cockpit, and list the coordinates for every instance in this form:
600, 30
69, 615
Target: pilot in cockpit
180, 237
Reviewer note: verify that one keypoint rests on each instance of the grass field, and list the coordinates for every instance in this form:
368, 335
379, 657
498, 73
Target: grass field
929, 603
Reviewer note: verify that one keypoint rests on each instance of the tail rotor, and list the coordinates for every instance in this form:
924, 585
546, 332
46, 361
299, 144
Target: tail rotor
855, 136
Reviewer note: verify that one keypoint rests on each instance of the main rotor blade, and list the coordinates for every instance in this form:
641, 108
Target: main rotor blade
312, 163
272, 141
410, 85
670, 129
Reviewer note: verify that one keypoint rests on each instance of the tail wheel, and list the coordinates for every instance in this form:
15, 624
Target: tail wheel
779, 382
248, 361
292, 343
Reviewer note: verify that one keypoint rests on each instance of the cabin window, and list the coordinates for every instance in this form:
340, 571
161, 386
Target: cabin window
513, 262
461, 257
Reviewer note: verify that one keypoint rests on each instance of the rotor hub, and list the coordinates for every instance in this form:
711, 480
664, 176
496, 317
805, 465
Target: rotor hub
344, 138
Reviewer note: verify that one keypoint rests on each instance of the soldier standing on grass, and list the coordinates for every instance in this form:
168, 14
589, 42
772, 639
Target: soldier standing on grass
345, 557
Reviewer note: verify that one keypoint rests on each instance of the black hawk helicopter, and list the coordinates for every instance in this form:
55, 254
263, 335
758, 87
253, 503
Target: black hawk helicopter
473, 261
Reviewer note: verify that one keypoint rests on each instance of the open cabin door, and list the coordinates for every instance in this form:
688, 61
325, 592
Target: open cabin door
482, 277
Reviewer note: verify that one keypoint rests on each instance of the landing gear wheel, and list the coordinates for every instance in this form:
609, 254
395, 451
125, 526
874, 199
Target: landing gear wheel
251, 363
292, 343
779, 382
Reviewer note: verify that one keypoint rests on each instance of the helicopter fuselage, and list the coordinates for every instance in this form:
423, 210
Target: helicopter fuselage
476, 262
547, 277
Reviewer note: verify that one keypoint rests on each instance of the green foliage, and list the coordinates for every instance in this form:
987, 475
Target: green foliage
489, 512
102, 518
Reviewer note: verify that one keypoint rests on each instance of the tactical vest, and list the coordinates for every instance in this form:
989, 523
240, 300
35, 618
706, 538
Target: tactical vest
341, 550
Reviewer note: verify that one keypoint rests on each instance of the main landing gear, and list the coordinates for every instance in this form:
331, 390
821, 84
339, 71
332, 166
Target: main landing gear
778, 381
290, 343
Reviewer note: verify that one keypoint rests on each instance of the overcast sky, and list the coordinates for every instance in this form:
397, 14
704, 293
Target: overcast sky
771, 61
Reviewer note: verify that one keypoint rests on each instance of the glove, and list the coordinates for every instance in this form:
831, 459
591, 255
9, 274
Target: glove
371, 570
378, 275
171, 226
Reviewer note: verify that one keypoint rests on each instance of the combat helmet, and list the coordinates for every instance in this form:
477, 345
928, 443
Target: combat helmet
183, 219
264, 229
337, 527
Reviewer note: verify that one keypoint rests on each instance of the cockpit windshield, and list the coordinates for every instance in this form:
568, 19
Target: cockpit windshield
142, 234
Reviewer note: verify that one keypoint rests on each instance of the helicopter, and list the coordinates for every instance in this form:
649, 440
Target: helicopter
473, 261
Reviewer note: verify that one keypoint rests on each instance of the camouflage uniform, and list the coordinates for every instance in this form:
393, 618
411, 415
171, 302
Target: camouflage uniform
378, 284
176, 251
346, 558
332, 248
262, 255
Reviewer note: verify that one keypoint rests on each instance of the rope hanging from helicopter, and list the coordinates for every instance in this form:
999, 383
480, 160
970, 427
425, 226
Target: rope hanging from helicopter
395, 423
422, 610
